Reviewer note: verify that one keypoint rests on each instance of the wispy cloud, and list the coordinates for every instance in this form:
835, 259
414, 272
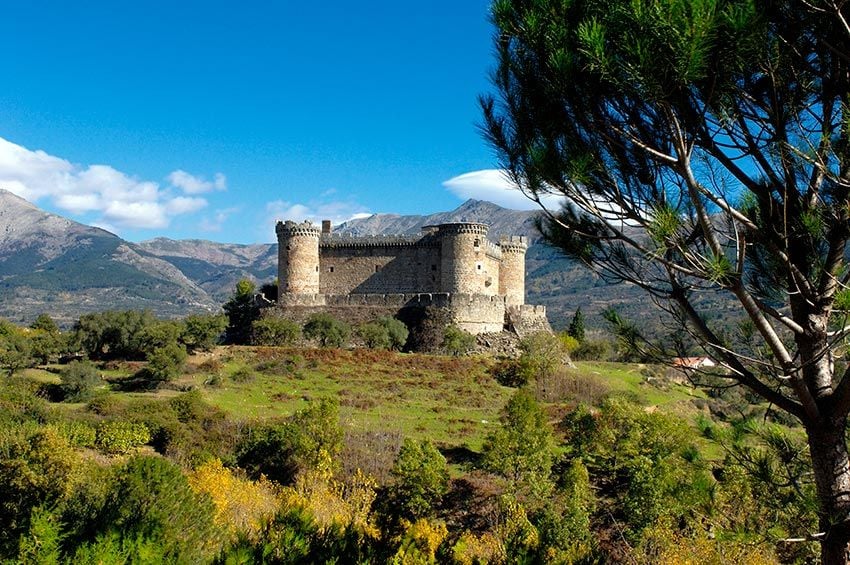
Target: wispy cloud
494, 186
215, 223
190, 184
337, 211
117, 199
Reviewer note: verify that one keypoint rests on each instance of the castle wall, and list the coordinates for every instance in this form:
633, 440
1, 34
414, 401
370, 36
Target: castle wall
379, 269
473, 313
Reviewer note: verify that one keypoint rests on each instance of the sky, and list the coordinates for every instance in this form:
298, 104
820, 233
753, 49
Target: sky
212, 119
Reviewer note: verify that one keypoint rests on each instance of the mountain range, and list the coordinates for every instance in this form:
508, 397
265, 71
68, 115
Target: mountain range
52, 264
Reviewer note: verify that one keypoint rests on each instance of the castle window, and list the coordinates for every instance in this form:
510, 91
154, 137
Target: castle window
377, 268
479, 266
330, 269
317, 268
288, 247
477, 243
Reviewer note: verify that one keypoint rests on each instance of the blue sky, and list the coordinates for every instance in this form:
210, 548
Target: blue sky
211, 119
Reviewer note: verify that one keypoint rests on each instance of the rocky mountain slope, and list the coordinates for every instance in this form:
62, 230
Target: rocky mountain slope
51, 264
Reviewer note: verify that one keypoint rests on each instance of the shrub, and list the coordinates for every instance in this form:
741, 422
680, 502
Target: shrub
514, 372
242, 375
456, 341
121, 437
592, 350
421, 479
202, 331
78, 434
542, 353
427, 331
275, 331
79, 379
374, 335
327, 330
397, 330
166, 363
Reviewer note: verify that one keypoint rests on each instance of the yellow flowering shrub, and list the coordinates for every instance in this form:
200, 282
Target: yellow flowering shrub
242, 505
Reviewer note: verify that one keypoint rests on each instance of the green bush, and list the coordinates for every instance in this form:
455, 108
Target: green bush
327, 330
542, 354
592, 350
79, 380
121, 437
397, 330
456, 341
374, 335
275, 331
166, 363
202, 331
78, 434
421, 479
514, 372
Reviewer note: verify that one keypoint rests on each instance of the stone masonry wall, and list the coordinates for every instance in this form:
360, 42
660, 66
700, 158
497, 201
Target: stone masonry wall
379, 269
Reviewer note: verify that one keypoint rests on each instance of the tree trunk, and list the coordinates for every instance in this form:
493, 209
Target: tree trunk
828, 447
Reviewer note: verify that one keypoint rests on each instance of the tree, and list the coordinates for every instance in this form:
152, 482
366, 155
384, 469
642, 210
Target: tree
241, 312
703, 148
202, 331
576, 328
522, 449
273, 330
327, 330
421, 479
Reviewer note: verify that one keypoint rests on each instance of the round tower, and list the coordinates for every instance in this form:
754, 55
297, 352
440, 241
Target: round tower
463, 248
298, 257
512, 270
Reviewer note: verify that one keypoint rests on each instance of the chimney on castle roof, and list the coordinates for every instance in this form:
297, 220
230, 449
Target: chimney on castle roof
326, 226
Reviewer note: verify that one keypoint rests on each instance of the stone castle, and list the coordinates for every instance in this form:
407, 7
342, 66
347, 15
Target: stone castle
454, 266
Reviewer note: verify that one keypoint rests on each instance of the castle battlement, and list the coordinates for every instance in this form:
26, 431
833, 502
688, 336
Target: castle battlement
452, 266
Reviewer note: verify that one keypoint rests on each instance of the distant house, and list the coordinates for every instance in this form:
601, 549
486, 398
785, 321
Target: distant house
694, 362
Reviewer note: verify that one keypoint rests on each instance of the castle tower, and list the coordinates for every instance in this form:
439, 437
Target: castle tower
463, 248
512, 270
298, 257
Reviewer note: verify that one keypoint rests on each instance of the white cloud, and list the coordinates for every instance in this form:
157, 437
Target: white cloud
120, 200
191, 184
493, 185
216, 222
337, 211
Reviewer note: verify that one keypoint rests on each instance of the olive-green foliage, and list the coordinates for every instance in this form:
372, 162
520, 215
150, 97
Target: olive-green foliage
275, 331
78, 434
374, 336
113, 334
151, 499
166, 363
327, 330
158, 334
522, 448
592, 350
79, 381
384, 333
45, 338
241, 310
397, 331
279, 451
646, 453
40, 545
564, 520
202, 331
421, 479
37, 468
121, 437
514, 372
15, 348
543, 352
456, 341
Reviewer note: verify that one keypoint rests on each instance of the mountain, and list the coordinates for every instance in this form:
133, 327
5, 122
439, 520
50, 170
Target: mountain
55, 265
51, 264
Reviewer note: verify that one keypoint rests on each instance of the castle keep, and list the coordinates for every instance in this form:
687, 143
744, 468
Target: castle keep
453, 266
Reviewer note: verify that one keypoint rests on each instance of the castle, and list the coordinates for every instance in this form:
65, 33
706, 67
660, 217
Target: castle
454, 266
